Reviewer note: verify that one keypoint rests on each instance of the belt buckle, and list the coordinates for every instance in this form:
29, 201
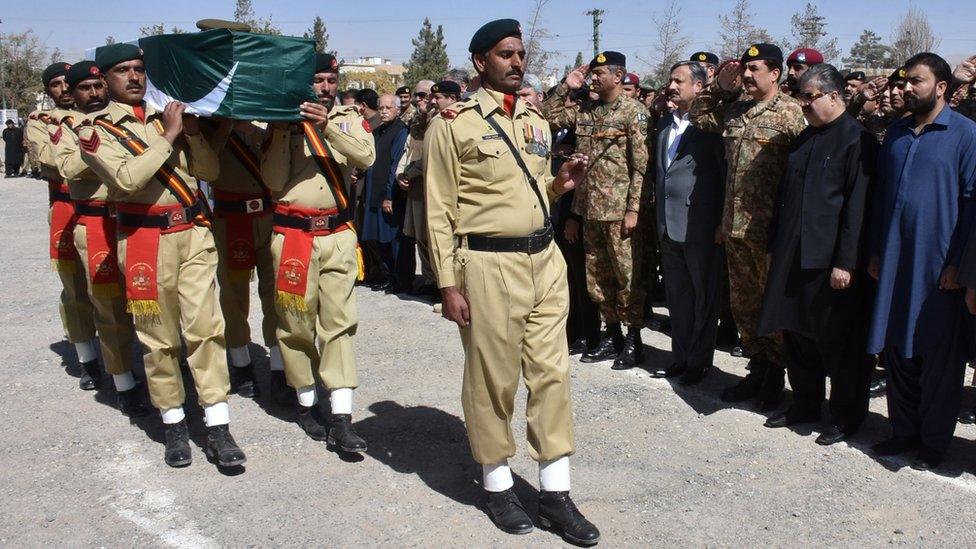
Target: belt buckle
176, 217
254, 205
320, 222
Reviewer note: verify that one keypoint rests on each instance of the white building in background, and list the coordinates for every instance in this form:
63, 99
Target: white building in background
372, 65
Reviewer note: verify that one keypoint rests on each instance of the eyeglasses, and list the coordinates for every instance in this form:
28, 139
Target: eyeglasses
420, 95
804, 97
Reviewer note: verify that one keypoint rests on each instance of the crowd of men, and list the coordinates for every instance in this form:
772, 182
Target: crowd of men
831, 213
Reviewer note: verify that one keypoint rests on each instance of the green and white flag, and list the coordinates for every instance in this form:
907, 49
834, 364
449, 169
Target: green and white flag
226, 73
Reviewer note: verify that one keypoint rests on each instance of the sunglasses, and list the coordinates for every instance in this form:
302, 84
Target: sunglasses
420, 95
805, 97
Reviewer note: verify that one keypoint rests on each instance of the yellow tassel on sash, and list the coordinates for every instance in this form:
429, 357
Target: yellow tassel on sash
360, 264
291, 302
64, 265
143, 308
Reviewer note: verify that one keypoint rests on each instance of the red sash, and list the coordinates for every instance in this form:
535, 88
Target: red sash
102, 243
296, 254
240, 230
61, 244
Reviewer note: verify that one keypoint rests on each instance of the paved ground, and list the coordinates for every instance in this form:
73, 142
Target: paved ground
657, 465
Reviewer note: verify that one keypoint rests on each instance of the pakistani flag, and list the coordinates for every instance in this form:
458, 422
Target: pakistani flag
232, 74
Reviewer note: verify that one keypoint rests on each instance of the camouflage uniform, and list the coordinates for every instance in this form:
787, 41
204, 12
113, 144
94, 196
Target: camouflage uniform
967, 107
614, 136
757, 145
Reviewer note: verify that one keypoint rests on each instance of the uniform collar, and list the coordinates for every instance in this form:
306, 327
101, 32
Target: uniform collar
119, 111
490, 101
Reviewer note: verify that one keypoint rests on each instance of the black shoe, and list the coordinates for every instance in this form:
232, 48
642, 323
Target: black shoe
343, 436
737, 351
660, 324
177, 453
894, 446
221, 447
609, 346
790, 417
771, 392
242, 381
91, 376
879, 387
130, 403
310, 420
386, 286
579, 346
832, 435
282, 394
506, 511
747, 387
673, 370
558, 513
633, 352
968, 417
693, 375
927, 459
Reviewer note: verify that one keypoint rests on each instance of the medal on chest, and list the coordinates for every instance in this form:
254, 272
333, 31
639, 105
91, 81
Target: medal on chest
535, 140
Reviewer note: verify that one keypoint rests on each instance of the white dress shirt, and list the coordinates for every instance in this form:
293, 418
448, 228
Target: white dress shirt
679, 124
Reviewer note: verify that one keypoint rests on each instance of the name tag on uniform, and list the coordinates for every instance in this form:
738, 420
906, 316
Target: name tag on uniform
487, 137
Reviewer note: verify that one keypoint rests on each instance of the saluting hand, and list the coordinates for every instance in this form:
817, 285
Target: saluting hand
577, 77
316, 113
570, 173
872, 90
454, 306
173, 121
966, 71
730, 75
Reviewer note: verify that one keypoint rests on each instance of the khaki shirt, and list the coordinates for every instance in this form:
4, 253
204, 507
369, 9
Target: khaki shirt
82, 181
234, 176
132, 178
291, 171
40, 126
473, 183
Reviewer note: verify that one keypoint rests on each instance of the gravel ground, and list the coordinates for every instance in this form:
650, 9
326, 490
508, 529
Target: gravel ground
656, 465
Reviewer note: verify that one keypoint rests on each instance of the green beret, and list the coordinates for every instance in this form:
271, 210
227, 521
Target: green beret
704, 57
609, 58
107, 57
492, 33
82, 70
447, 87
766, 52
326, 62
209, 24
53, 71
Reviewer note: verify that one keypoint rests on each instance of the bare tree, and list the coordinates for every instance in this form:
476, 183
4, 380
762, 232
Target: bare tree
244, 13
736, 32
913, 35
670, 44
809, 31
537, 58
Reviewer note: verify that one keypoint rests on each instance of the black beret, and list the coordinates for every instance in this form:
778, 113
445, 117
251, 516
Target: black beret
402, 90
107, 57
326, 62
447, 87
898, 75
767, 52
856, 75
704, 57
209, 24
608, 58
82, 70
492, 33
53, 71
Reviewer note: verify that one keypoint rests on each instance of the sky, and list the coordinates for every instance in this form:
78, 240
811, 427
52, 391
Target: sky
384, 28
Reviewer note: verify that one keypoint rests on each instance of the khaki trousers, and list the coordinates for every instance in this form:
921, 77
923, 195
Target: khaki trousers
235, 288
331, 315
415, 226
518, 305
186, 268
113, 323
75, 308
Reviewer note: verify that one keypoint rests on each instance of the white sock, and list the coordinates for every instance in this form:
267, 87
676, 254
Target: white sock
217, 414
277, 364
124, 382
341, 400
86, 351
554, 475
307, 396
173, 415
240, 356
497, 477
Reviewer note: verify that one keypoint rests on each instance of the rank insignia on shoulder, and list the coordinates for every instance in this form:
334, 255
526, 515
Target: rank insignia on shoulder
344, 127
366, 126
448, 114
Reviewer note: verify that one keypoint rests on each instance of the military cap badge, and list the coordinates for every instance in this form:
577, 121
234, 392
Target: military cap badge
702, 57
753, 51
601, 58
902, 73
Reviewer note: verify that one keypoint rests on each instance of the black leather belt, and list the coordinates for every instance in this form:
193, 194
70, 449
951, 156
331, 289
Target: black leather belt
532, 244
58, 196
173, 218
250, 205
91, 210
316, 223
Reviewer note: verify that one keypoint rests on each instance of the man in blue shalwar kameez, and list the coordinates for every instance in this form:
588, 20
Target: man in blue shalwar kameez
923, 216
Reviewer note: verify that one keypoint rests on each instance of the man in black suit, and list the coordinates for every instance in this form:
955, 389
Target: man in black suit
689, 187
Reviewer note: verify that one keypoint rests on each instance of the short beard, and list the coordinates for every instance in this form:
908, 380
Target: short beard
920, 105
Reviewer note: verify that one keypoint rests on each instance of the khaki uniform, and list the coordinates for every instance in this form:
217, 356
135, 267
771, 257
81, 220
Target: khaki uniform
186, 262
757, 139
518, 301
415, 216
75, 308
235, 284
293, 175
614, 136
114, 324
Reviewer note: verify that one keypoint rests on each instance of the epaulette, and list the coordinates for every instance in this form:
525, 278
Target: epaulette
454, 109
343, 110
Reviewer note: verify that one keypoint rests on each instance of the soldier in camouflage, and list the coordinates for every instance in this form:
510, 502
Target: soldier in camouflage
612, 131
757, 132
965, 77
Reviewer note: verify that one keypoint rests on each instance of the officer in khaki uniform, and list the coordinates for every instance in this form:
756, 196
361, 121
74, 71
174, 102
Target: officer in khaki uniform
308, 166
95, 238
503, 280
75, 307
150, 161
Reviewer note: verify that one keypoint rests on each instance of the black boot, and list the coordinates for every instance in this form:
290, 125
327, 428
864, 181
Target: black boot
221, 447
130, 403
310, 420
771, 393
749, 386
282, 394
507, 512
633, 351
609, 347
579, 346
177, 452
879, 387
558, 513
242, 381
91, 376
343, 436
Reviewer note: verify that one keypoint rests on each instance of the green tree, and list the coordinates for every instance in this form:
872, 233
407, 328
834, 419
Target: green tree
579, 61
810, 31
429, 58
868, 52
22, 57
317, 32
244, 13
